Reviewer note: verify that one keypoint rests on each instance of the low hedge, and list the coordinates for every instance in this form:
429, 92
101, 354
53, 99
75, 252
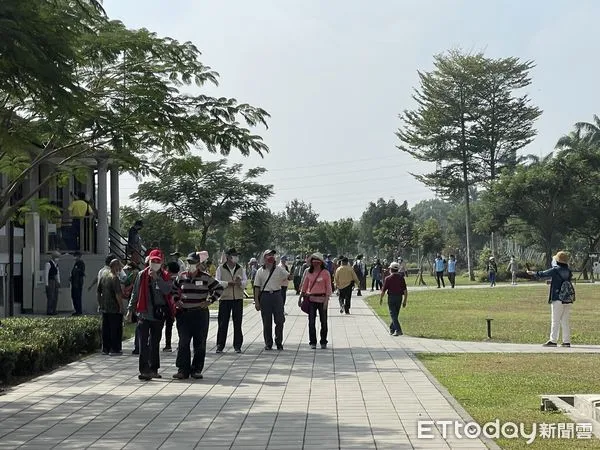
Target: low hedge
32, 345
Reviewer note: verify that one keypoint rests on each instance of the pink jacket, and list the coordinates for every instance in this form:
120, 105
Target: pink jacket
317, 285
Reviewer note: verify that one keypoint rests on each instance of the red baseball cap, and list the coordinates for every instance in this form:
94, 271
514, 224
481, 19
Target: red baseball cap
156, 255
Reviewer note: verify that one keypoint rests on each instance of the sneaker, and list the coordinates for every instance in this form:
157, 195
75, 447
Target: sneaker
359, 294
105, 353
565, 344
181, 376
238, 350
313, 346
219, 350
280, 347
341, 310
323, 346
347, 312
167, 349
392, 332
396, 333
268, 347
156, 375
197, 375
144, 377
549, 344
116, 353
135, 352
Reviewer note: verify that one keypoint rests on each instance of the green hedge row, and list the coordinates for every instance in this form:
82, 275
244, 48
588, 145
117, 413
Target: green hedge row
32, 345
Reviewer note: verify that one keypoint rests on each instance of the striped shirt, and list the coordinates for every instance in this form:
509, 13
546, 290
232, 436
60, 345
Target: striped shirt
195, 288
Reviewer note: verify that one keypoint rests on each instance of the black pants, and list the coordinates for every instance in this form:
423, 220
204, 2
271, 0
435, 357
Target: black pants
394, 305
169, 330
192, 325
439, 276
227, 309
112, 332
76, 295
271, 310
297, 281
452, 278
345, 297
376, 284
150, 332
52, 297
312, 318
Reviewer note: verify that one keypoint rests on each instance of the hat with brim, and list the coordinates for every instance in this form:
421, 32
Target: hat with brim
232, 252
155, 256
318, 256
268, 252
562, 257
55, 254
395, 266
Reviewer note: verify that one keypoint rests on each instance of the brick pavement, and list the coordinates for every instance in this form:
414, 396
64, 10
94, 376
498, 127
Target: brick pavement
365, 391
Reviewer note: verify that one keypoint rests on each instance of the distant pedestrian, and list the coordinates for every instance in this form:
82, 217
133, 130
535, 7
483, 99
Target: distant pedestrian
110, 304
452, 270
297, 271
231, 303
361, 272
286, 283
492, 270
132, 271
513, 268
440, 265
317, 287
561, 298
135, 245
402, 267
176, 257
52, 279
173, 270
376, 273
395, 286
77, 279
268, 300
345, 280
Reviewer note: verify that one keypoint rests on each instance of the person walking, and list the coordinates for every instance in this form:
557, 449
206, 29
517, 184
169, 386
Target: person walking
132, 271
560, 298
492, 269
231, 303
52, 279
439, 265
268, 300
317, 287
110, 304
77, 279
297, 270
286, 282
151, 300
135, 244
395, 286
376, 272
361, 272
345, 279
452, 271
513, 268
195, 290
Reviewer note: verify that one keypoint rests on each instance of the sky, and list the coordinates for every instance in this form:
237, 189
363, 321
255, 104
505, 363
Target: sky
335, 74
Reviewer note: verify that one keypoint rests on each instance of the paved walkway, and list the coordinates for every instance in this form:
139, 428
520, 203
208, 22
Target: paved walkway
365, 391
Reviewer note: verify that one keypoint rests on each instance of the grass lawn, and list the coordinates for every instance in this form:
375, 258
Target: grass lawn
520, 315
507, 387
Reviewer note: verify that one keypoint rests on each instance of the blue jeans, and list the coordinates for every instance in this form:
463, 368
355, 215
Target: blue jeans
394, 305
492, 278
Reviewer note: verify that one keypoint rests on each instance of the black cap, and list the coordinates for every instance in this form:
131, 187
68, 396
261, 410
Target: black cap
173, 267
193, 258
232, 252
344, 259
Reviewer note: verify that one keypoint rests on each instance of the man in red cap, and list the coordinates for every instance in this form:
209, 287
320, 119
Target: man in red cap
152, 303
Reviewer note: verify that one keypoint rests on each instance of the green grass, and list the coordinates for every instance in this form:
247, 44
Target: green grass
520, 315
507, 387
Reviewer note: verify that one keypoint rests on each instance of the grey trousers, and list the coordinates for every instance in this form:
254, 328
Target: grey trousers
271, 310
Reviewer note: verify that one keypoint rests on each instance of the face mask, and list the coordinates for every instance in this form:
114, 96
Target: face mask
122, 275
235, 259
269, 259
155, 266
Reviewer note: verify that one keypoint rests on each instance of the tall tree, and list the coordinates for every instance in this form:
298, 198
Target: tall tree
372, 217
128, 104
393, 235
469, 122
205, 194
252, 233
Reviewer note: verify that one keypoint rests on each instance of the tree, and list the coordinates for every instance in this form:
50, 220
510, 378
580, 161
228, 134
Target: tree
372, 217
205, 194
343, 235
128, 106
295, 229
252, 233
393, 235
469, 122
428, 239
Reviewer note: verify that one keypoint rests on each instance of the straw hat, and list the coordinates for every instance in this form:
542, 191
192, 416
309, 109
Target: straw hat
562, 257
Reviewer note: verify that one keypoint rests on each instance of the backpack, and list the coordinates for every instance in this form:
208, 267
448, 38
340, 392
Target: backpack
567, 292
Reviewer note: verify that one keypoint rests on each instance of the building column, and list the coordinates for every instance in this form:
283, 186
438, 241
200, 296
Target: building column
102, 206
115, 218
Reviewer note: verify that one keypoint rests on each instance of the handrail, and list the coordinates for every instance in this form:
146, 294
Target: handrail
118, 245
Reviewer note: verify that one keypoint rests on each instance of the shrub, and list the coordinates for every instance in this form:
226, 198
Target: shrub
32, 345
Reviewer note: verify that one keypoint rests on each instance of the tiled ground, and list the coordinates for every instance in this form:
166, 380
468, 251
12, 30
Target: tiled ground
365, 392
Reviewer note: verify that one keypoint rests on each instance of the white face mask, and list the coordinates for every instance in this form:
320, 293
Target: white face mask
122, 275
155, 266
235, 259
192, 267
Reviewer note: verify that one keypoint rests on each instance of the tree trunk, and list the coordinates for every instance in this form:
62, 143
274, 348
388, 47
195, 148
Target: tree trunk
203, 237
468, 224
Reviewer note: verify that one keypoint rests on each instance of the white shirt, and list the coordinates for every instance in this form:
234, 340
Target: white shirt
277, 280
47, 272
226, 283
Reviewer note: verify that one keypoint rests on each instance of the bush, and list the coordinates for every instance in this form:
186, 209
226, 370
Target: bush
32, 345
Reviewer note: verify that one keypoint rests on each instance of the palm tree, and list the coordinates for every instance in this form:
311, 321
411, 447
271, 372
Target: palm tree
591, 130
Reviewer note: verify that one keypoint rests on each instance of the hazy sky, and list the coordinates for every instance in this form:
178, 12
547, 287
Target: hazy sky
335, 74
